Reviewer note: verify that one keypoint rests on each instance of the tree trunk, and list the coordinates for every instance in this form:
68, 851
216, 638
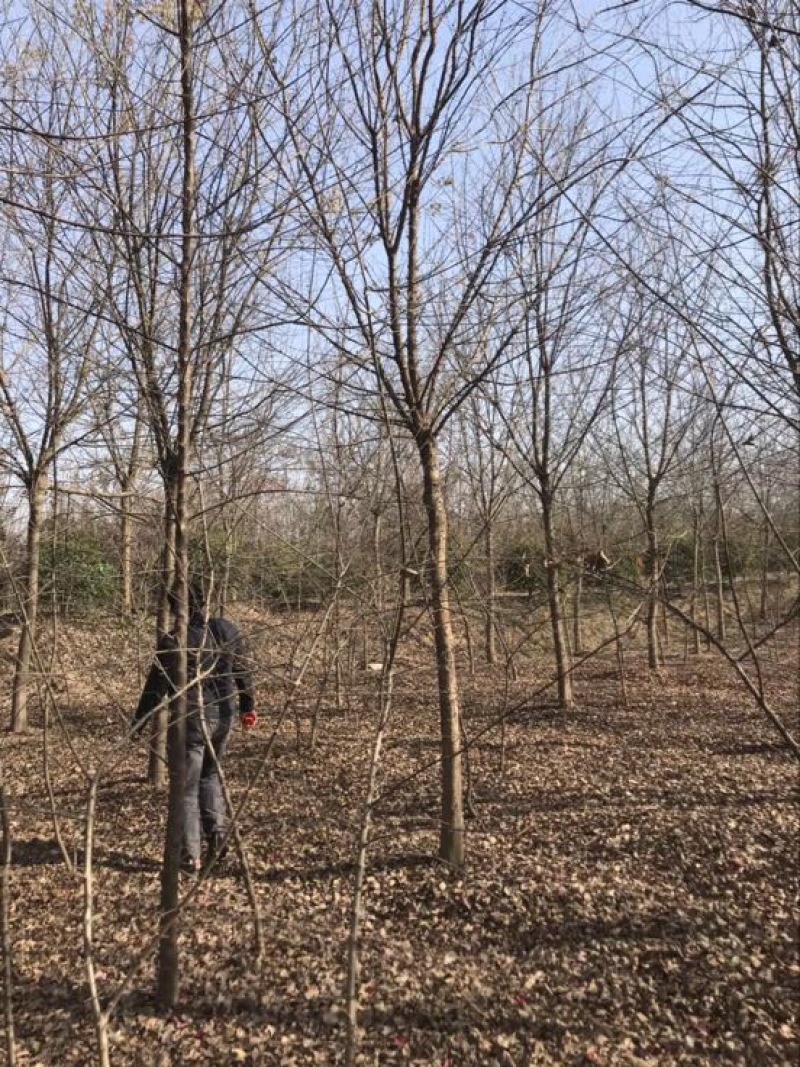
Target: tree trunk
27, 637
719, 534
126, 549
696, 578
5, 926
451, 840
763, 599
157, 760
491, 644
653, 579
168, 969
168, 974
224, 590
577, 609
720, 590
163, 614
556, 609
377, 552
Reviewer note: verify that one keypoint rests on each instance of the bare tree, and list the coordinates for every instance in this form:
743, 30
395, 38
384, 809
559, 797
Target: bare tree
47, 346
487, 473
412, 167
744, 124
557, 385
160, 181
121, 427
374, 140
656, 403
138, 219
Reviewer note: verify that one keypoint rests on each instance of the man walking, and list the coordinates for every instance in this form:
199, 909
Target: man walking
220, 684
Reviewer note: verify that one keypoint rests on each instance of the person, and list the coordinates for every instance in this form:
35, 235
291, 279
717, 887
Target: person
220, 683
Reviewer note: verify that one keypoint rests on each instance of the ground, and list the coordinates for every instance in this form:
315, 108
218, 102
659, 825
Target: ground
629, 897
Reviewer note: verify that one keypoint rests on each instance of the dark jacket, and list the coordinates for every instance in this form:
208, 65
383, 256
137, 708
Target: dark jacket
219, 672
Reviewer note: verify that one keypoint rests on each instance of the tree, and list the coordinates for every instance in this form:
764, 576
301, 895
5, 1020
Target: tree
140, 183
120, 422
743, 125
656, 403
181, 221
413, 176
487, 471
49, 341
555, 387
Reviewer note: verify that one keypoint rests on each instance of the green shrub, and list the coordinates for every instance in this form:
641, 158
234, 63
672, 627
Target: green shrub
79, 573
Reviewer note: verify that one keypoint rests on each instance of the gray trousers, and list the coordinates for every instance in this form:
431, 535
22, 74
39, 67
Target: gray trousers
204, 804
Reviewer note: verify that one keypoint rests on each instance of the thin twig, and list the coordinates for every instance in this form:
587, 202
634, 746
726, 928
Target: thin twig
100, 1016
385, 706
5, 926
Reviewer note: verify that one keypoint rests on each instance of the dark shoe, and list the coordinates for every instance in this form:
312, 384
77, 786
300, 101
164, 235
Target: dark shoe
217, 851
190, 866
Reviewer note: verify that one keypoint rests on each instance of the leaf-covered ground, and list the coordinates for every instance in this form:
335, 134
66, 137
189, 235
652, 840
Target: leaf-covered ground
630, 895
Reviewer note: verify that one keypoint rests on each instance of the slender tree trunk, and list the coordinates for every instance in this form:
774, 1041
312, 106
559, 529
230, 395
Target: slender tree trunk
653, 578
451, 840
225, 581
718, 574
377, 552
100, 1017
168, 976
577, 610
706, 598
163, 614
764, 570
5, 926
696, 578
356, 911
664, 620
157, 759
168, 969
620, 651
27, 637
720, 590
556, 609
491, 590
126, 549
338, 640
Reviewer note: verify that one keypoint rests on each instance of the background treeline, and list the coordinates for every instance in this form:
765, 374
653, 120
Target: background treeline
83, 566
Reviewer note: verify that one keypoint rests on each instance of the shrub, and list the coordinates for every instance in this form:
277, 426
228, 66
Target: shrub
78, 573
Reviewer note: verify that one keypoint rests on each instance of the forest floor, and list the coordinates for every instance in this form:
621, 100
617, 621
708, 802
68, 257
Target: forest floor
629, 897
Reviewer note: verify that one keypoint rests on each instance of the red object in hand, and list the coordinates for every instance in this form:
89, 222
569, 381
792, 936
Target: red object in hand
248, 719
